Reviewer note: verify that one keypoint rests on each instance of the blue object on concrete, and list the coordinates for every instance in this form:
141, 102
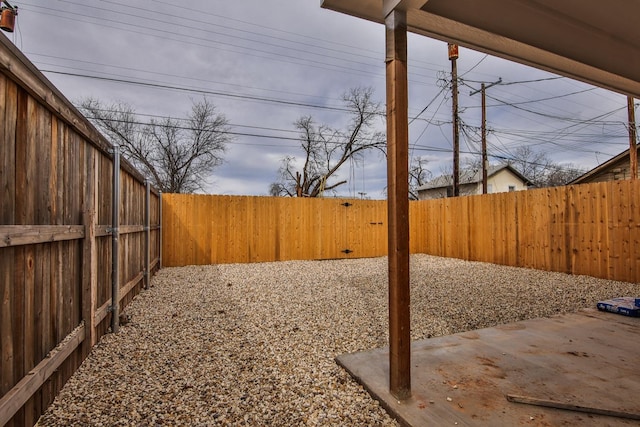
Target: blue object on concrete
627, 306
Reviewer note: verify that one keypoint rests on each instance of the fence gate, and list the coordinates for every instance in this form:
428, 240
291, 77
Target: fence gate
365, 233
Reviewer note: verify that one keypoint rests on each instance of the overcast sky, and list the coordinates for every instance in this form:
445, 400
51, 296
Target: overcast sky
265, 63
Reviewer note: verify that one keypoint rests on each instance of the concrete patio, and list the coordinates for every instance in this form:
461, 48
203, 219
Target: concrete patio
584, 361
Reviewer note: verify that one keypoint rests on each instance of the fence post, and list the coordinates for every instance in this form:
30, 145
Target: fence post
115, 234
159, 230
147, 232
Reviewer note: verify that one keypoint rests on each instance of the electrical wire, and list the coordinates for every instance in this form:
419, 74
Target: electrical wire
533, 101
223, 132
103, 65
201, 91
427, 106
520, 81
215, 93
273, 56
475, 66
509, 134
182, 119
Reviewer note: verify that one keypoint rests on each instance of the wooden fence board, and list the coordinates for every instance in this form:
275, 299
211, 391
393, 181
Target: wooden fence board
634, 228
11, 402
54, 167
8, 111
11, 235
7, 317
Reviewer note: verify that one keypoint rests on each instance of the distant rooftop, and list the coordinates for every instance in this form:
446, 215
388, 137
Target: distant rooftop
469, 176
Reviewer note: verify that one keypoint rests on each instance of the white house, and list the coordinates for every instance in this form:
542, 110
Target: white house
500, 179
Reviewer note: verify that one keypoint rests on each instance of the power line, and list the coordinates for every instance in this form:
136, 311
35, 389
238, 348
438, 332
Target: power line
161, 74
200, 91
429, 122
534, 100
475, 66
569, 119
279, 57
224, 132
281, 101
427, 106
296, 40
507, 83
183, 119
181, 7
523, 81
211, 92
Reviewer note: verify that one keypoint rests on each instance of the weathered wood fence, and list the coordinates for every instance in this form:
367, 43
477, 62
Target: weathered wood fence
56, 238
591, 229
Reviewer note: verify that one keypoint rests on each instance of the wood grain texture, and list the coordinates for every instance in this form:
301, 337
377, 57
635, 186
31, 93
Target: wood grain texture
591, 229
11, 402
54, 168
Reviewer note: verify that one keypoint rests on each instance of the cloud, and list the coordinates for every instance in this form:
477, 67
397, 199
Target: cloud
265, 64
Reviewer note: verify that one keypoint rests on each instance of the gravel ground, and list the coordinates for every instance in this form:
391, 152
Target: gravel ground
254, 344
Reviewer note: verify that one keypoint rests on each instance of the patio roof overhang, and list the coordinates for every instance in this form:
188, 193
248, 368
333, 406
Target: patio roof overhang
594, 41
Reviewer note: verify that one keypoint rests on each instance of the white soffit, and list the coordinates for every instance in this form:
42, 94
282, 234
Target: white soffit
594, 41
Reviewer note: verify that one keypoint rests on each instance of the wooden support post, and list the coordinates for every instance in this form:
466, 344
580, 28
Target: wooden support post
147, 232
633, 149
398, 204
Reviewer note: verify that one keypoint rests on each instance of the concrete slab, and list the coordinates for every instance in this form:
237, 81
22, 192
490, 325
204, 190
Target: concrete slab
589, 359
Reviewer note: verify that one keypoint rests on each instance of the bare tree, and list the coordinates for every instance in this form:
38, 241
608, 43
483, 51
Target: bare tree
559, 175
178, 155
531, 164
418, 175
327, 149
541, 170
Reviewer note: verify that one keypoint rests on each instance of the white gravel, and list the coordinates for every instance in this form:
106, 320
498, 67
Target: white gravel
254, 344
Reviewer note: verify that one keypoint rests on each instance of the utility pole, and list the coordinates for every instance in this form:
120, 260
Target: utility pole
484, 138
453, 57
485, 161
633, 150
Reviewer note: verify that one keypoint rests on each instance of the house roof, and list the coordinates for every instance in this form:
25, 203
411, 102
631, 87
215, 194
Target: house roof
469, 176
603, 167
590, 40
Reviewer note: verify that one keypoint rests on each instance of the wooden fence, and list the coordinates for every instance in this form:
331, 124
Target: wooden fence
591, 229
56, 230
201, 229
